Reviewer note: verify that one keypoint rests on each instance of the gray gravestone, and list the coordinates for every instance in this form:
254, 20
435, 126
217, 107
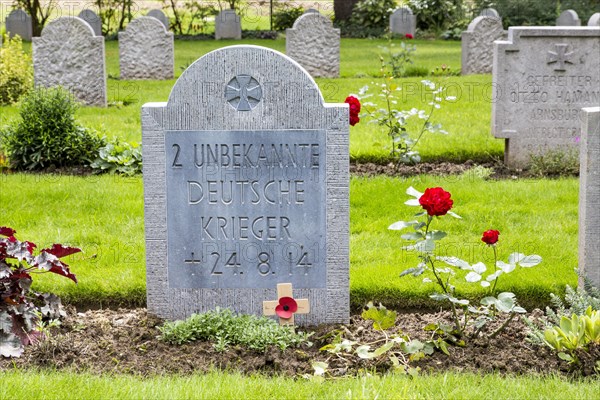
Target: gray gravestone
18, 22
93, 20
402, 22
594, 20
542, 76
228, 25
69, 54
489, 12
246, 186
568, 18
146, 50
589, 196
477, 44
159, 15
315, 44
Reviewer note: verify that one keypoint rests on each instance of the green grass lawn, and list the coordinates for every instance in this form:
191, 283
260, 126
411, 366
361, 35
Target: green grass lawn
218, 385
104, 216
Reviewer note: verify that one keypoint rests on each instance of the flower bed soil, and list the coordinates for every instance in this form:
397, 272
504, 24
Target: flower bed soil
125, 341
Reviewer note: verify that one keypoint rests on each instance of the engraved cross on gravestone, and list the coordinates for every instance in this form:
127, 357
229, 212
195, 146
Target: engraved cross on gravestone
560, 56
243, 92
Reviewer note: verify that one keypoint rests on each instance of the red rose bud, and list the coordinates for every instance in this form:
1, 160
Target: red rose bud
490, 237
354, 104
354, 119
436, 201
408, 36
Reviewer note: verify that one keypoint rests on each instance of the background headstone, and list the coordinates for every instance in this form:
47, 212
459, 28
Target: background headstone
18, 22
477, 44
315, 44
589, 196
594, 20
542, 77
159, 15
69, 54
146, 50
402, 22
489, 12
228, 25
568, 18
284, 153
93, 20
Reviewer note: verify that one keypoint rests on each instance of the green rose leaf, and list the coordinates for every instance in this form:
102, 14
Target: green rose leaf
398, 226
530, 261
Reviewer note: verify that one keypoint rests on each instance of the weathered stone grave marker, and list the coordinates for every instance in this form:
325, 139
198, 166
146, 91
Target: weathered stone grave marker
18, 22
245, 187
403, 22
228, 25
69, 54
589, 196
490, 12
542, 77
315, 44
568, 18
594, 20
93, 20
477, 44
159, 15
146, 50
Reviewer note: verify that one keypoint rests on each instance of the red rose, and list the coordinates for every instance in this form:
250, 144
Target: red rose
354, 119
490, 237
408, 36
436, 201
354, 104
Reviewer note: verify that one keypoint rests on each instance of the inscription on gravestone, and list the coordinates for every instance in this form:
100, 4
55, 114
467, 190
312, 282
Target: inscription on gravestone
542, 77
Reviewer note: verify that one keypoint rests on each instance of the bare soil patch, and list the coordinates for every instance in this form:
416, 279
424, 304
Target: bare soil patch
125, 341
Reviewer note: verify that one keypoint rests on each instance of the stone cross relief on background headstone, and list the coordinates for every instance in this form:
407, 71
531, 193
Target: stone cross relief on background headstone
568, 18
228, 25
70, 55
246, 187
402, 22
93, 20
477, 44
315, 44
18, 22
146, 50
542, 77
589, 196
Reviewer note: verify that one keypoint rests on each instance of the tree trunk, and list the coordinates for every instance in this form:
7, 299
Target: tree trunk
343, 9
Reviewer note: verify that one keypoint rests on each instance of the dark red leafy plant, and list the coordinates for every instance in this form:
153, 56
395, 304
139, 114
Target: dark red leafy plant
21, 308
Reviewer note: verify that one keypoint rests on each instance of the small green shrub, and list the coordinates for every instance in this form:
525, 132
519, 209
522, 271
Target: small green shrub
16, 71
372, 14
284, 16
557, 162
47, 133
119, 157
227, 329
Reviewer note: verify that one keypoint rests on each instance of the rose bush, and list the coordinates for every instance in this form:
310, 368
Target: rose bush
354, 104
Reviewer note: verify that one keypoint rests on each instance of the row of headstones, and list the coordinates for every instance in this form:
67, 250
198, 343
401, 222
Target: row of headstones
227, 23
69, 54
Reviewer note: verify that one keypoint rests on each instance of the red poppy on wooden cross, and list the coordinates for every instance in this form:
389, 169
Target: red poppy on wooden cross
285, 306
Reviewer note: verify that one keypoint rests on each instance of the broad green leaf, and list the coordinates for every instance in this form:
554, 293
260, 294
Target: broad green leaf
493, 276
439, 296
382, 318
488, 301
412, 202
506, 268
436, 235
413, 271
413, 346
484, 284
530, 261
479, 268
411, 191
431, 327
412, 236
565, 356
363, 352
473, 277
462, 302
380, 350
514, 258
455, 262
398, 226
519, 310
452, 214
444, 347
320, 367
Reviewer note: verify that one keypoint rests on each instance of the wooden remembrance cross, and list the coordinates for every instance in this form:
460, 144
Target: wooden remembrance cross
285, 300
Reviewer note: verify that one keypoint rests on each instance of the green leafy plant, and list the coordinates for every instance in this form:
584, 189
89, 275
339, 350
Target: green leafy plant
436, 202
16, 71
119, 157
372, 14
285, 15
395, 122
558, 162
47, 133
226, 329
574, 333
25, 314
398, 57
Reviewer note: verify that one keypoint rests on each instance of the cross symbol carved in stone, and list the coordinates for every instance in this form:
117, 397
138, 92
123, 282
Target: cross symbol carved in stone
284, 305
243, 92
560, 56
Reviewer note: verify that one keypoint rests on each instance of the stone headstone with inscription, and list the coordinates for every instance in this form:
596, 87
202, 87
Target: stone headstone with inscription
542, 77
245, 187
315, 44
568, 18
594, 20
403, 22
589, 195
18, 22
477, 44
93, 20
159, 15
489, 12
146, 50
228, 25
70, 55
